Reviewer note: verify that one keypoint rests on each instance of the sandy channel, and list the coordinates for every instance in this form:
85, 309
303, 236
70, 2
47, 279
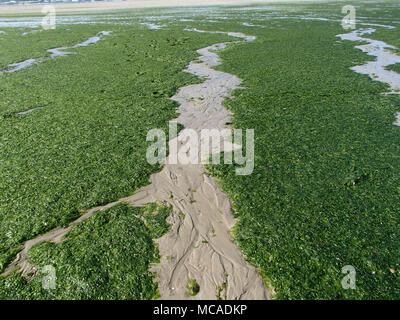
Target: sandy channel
198, 245
376, 70
55, 52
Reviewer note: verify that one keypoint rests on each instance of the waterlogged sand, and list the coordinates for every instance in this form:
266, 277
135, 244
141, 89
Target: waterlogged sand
152, 26
376, 69
384, 58
59, 52
56, 52
198, 245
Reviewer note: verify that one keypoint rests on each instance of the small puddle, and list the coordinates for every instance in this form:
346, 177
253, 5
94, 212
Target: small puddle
28, 111
30, 32
19, 65
151, 26
246, 24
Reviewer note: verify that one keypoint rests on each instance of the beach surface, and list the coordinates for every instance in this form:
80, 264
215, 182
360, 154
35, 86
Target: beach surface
133, 4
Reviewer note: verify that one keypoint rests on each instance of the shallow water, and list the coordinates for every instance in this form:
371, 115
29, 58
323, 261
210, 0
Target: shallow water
36, 22
28, 111
151, 26
377, 69
246, 24
58, 52
30, 32
19, 65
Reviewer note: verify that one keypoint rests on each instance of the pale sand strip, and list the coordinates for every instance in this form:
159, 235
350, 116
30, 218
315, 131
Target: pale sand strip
134, 4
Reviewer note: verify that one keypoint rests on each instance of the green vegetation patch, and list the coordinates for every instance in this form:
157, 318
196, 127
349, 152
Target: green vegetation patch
106, 256
325, 189
193, 287
84, 143
324, 192
394, 67
155, 217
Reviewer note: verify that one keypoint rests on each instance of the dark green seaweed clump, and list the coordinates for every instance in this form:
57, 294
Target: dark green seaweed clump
106, 256
193, 287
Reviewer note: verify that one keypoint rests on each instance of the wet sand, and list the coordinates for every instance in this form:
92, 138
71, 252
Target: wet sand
376, 70
55, 52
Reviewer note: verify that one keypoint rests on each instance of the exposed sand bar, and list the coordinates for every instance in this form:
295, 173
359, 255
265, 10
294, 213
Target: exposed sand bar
132, 4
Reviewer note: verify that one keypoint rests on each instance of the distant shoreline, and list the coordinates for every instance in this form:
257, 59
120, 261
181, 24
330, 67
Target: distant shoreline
130, 4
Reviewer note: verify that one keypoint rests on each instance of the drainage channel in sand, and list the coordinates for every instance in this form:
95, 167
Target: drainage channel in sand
198, 245
56, 52
384, 57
